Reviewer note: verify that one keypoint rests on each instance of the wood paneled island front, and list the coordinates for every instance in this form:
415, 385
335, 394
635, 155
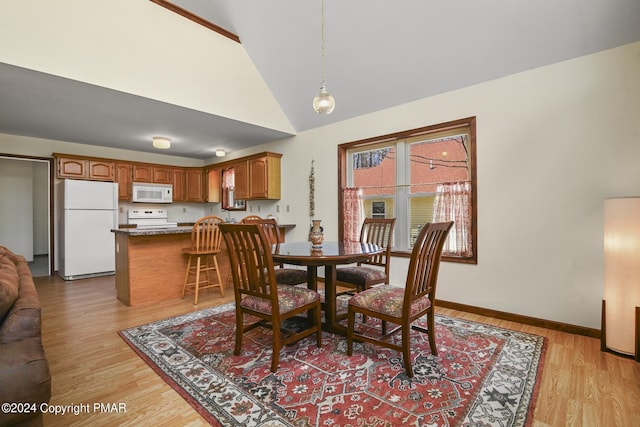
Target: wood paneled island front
150, 266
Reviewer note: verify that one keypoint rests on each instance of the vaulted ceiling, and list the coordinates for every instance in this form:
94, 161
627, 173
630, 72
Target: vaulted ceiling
379, 54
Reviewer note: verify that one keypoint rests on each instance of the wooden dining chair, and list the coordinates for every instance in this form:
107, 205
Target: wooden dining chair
258, 295
284, 276
404, 305
205, 247
378, 231
250, 218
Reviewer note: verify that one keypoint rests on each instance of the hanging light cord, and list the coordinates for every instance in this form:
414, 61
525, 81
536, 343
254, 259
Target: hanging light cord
322, 33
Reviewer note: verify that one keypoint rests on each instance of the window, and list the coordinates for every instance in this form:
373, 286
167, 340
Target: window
418, 176
378, 209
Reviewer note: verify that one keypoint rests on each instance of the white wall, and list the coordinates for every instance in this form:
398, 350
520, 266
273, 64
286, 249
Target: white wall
16, 208
552, 144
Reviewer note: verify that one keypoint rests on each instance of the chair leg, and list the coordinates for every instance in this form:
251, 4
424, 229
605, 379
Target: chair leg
239, 331
186, 277
318, 322
351, 321
197, 288
275, 356
217, 269
431, 333
406, 349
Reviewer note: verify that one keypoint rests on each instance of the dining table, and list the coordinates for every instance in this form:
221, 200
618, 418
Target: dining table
329, 256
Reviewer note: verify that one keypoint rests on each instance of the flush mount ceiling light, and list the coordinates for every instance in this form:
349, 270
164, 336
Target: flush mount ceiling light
161, 142
220, 153
323, 102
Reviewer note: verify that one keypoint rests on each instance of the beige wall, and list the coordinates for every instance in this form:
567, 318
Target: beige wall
552, 144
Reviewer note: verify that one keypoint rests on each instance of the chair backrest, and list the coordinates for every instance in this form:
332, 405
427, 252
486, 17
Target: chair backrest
205, 234
249, 218
250, 255
425, 262
269, 225
379, 231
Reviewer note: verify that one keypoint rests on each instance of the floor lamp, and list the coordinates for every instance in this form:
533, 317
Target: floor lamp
621, 303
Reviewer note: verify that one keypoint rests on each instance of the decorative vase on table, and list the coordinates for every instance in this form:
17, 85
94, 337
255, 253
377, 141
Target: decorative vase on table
316, 235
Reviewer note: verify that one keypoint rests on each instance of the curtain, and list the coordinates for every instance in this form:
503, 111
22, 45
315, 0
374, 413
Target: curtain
453, 203
228, 178
353, 211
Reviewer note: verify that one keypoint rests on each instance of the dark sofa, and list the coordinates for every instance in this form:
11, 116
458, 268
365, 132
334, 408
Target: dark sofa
24, 371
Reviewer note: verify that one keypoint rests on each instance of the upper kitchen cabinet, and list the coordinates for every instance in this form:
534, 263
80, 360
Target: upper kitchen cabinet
241, 180
151, 173
187, 184
254, 177
264, 177
194, 178
69, 166
123, 178
213, 185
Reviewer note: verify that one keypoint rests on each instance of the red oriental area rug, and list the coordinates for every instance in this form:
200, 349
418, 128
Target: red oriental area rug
482, 376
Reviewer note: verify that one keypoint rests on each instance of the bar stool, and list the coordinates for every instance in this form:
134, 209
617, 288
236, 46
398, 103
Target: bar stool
206, 239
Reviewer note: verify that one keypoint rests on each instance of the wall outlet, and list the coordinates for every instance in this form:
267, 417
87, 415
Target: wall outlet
184, 210
258, 208
277, 208
287, 208
250, 208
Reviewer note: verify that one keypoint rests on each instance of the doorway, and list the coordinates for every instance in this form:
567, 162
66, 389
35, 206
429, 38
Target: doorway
26, 211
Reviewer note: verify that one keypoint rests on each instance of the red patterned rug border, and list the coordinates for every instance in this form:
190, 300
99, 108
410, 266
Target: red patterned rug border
170, 381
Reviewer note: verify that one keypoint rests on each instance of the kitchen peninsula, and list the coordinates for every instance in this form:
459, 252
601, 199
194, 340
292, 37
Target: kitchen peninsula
150, 266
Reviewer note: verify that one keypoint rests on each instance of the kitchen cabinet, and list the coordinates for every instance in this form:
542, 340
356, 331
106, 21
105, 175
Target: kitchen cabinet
85, 168
241, 180
256, 177
151, 173
213, 185
179, 184
194, 184
187, 184
142, 173
161, 175
264, 178
123, 178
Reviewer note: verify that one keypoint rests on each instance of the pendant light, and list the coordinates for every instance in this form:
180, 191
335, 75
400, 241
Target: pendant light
323, 102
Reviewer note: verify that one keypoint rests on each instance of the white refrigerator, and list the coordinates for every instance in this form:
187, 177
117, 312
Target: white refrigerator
87, 244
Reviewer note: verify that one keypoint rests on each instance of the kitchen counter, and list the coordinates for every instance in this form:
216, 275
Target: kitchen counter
150, 266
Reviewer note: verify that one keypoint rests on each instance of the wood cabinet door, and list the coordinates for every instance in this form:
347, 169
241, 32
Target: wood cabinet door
101, 171
142, 173
179, 184
194, 183
72, 168
258, 178
213, 186
161, 175
241, 180
123, 178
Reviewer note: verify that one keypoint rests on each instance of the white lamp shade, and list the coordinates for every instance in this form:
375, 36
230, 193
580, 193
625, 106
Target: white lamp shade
621, 271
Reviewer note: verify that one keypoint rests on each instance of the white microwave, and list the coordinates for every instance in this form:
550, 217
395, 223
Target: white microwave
144, 192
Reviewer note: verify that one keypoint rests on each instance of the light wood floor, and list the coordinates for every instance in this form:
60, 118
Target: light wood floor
90, 363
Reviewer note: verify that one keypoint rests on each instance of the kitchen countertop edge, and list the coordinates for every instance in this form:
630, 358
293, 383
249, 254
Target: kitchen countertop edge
153, 231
